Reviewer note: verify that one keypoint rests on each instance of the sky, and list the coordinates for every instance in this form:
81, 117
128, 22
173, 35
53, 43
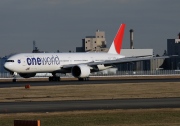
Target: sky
62, 24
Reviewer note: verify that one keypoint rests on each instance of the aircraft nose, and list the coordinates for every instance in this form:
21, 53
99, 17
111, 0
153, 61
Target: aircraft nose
7, 66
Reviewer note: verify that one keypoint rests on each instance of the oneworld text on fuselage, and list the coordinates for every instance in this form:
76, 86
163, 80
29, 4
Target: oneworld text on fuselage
53, 60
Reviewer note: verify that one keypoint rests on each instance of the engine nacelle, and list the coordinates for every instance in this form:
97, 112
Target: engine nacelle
81, 71
27, 75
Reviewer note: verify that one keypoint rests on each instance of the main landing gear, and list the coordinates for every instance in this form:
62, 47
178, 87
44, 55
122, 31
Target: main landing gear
83, 79
54, 77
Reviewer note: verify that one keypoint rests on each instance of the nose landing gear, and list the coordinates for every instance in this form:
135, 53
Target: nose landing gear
14, 74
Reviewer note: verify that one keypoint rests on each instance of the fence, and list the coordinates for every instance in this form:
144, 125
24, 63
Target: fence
117, 73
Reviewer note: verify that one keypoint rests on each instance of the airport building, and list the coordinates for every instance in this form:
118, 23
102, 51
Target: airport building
2, 61
173, 48
94, 43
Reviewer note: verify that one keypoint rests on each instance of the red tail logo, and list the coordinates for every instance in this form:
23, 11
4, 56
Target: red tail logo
119, 38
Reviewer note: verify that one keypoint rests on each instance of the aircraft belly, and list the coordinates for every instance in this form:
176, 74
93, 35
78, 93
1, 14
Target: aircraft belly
38, 69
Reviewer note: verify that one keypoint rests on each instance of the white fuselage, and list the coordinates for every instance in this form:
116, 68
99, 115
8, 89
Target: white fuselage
49, 62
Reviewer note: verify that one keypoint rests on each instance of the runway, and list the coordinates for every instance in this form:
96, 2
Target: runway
76, 82
56, 106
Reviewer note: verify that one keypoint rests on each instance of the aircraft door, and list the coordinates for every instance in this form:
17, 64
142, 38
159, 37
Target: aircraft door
92, 59
23, 62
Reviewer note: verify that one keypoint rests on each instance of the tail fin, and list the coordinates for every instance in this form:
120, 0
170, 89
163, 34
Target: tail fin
117, 43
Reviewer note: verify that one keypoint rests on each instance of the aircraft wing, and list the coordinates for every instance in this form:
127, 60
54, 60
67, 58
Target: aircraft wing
121, 60
126, 60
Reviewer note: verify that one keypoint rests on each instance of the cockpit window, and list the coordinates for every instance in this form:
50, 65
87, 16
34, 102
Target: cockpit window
9, 60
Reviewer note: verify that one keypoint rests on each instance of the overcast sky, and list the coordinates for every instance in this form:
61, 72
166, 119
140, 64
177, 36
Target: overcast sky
61, 24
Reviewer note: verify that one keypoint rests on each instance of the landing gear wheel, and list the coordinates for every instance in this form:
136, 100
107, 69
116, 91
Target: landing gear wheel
14, 80
83, 79
87, 78
50, 78
54, 78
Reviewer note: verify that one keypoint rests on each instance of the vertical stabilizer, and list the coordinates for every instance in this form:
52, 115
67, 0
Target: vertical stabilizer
117, 43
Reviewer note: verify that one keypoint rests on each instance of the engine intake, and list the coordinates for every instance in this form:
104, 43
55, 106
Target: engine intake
81, 71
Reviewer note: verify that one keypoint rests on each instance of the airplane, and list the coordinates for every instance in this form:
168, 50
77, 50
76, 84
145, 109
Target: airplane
80, 65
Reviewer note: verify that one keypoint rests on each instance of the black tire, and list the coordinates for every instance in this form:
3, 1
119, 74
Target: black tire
58, 78
14, 80
50, 78
54, 78
81, 79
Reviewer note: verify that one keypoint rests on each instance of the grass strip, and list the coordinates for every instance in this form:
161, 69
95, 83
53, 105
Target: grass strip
91, 91
143, 117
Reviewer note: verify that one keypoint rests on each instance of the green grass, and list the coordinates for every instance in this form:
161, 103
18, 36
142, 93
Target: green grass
155, 117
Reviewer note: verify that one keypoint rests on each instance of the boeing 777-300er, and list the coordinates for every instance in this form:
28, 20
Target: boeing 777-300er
80, 65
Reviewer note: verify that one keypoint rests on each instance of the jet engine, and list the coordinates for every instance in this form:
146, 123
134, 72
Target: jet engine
81, 71
27, 75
